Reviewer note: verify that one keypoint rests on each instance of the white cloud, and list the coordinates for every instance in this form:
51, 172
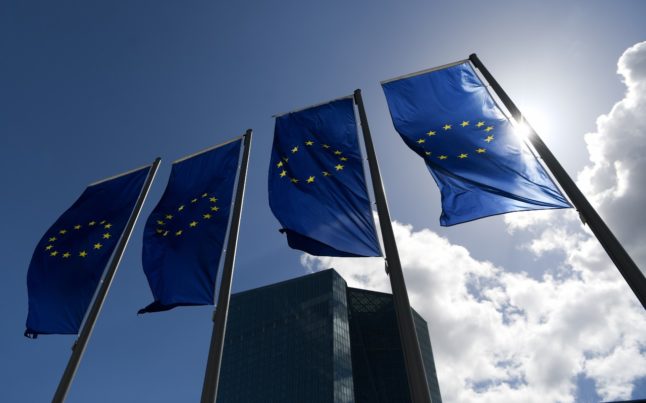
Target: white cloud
502, 336
616, 177
614, 180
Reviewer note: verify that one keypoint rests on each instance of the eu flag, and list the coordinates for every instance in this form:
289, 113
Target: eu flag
480, 164
71, 257
185, 233
317, 188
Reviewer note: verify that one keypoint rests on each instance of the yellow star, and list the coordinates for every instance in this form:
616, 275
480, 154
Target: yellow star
283, 173
159, 230
97, 245
427, 152
160, 222
178, 233
77, 227
66, 255
165, 233
204, 194
102, 222
82, 253
447, 127
431, 133
106, 235
420, 141
180, 208
48, 247
339, 167
326, 146
310, 179
107, 226
285, 159
53, 253
294, 180
213, 199
442, 157
326, 173
480, 124
295, 150
194, 201
91, 223
62, 232
52, 239
193, 224
489, 128
489, 138
169, 216
215, 208
480, 150
343, 159
309, 143
280, 164
464, 123
206, 216
337, 152
463, 156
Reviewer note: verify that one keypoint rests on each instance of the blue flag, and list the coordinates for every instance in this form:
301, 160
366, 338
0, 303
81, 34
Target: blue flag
184, 235
71, 257
317, 188
480, 165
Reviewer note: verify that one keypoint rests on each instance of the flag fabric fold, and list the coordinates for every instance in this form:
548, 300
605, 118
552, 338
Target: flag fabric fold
71, 257
480, 164
317, 187
185, 233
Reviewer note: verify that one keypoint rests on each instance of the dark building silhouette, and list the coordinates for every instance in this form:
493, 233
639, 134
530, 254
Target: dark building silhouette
313, 339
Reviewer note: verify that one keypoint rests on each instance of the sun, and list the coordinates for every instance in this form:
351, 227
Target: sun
536, 119
522, 130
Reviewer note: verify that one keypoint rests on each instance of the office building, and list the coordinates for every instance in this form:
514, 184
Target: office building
313, 339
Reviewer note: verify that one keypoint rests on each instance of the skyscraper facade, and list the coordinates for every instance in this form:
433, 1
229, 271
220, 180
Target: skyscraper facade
313, 339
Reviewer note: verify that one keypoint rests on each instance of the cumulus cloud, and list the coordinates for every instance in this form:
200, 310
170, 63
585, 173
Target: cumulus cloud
616, 176
614, 179
502, 336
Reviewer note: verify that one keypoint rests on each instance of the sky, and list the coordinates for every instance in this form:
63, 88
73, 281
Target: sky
521, 308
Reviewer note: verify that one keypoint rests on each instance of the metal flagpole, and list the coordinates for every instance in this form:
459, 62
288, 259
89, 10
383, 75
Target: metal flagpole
417, 383
81, 342
212, 374
624, 263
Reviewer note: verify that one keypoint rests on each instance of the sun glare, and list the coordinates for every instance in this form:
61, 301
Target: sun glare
522, 130
538, 121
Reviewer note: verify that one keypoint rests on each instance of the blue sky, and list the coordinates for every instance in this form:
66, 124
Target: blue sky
91, 89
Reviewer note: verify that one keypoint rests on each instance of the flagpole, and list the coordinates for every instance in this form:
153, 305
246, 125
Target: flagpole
624, 263
214, 361
84, 335
417, 383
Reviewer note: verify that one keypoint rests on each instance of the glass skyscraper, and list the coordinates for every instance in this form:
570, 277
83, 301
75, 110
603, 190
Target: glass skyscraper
313, 339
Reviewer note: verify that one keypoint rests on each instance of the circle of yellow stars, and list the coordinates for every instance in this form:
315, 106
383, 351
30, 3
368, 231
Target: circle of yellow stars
484, 129
282, 164
164, 224
54, 249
